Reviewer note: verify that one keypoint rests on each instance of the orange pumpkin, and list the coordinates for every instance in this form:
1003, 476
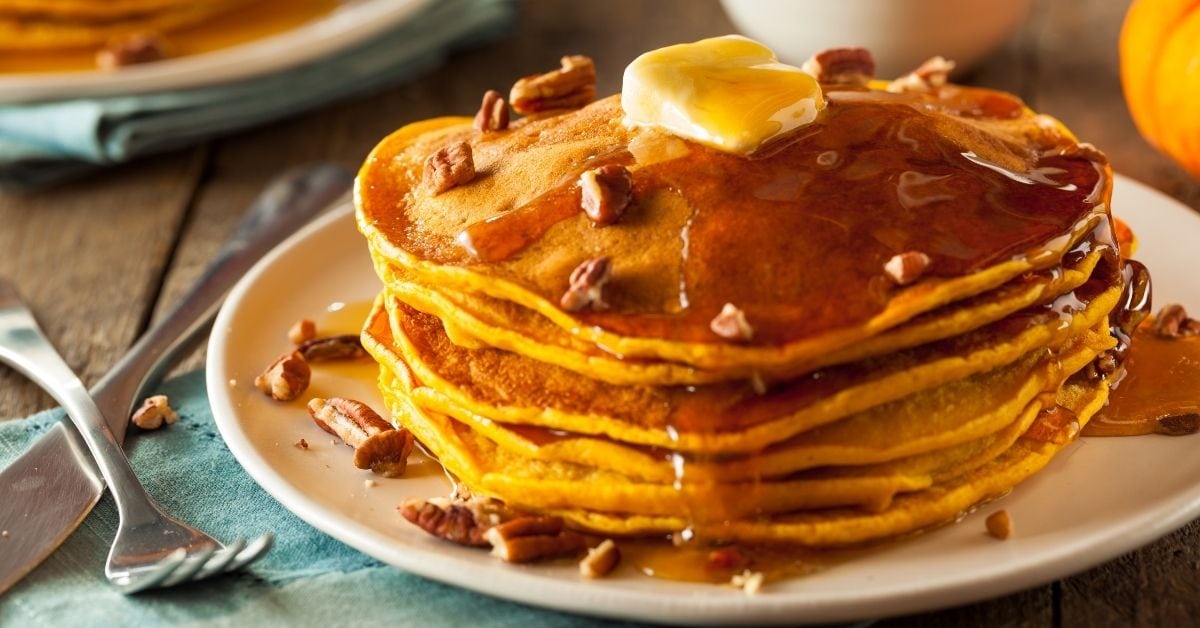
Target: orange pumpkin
1160, 71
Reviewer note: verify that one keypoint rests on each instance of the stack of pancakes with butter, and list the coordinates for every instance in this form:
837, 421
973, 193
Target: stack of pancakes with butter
754, 365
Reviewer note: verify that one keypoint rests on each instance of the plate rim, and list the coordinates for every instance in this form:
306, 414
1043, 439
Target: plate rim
445, 566
348, 24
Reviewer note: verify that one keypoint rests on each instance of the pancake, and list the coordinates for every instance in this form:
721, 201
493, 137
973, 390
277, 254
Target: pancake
754, 359
57, 28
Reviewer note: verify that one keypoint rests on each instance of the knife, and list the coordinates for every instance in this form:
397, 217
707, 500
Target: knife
48, 491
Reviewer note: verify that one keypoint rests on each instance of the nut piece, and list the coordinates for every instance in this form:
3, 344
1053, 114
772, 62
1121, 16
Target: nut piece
726, 559
529, 538
731, 323
750, 582
1178, 424
605, 192
385, 453
130, 50
301, 444
999, 524
600, 560
286, 378
587, 285
929, 76
493, 113
907, 267
153, 413
302, 331
377, 445
853, 66
449, 167
329, 348
1104, 365
571, 86
1172, 322
445, 520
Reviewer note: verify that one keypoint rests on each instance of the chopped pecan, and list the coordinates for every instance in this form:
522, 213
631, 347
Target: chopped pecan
1172, 322
731, 323
1178, 424
302, 331
587, 285
600, 560
153, 412
342, 347
130, 50
1104, 365
377, 445
572, 85
605, 192
905, 268
726, 559
930, 75
449, 521
493, 113
854, 66
999, 524
531, 538
302, 444
286, 378
750, 582
449, 167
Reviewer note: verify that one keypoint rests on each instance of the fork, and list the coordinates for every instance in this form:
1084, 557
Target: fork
152, 548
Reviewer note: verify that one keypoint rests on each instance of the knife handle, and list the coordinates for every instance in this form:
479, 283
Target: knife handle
289, 202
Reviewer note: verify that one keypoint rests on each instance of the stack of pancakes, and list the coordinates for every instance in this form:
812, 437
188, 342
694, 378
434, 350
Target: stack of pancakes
39, 25
855, 407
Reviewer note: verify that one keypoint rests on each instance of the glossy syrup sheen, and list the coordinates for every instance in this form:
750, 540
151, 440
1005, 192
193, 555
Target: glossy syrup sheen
1161, 379
798, 238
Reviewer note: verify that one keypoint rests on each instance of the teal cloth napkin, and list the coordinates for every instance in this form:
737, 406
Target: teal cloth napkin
307, 579
44, 142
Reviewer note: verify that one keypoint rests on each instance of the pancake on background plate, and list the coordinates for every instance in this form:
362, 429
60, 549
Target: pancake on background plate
743, 302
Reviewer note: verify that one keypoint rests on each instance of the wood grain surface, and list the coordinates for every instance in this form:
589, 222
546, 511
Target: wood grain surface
100, 257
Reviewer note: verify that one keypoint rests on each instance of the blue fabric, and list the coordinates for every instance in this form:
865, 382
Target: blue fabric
306, 579
44, 142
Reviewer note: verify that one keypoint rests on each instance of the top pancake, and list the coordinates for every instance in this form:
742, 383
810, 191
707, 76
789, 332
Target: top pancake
796, 238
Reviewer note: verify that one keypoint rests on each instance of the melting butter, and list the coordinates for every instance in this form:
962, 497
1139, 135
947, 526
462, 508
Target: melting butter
729, 92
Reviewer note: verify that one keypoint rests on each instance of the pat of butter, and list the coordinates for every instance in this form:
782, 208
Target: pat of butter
729, 92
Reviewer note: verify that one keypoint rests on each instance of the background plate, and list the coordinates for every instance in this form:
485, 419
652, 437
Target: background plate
1096, 500
353, 22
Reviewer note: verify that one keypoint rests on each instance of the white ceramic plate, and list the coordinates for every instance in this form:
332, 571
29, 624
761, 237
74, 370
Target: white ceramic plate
353, 22
1098, 499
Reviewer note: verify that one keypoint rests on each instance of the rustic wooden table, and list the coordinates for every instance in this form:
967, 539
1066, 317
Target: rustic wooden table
100, 258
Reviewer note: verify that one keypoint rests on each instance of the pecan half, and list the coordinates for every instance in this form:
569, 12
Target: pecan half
600, 560
302, 331
1178, 424
342, 347
731, 323
930, 75
493, 113
571, 86
447, 521
1172, 322
999, 524
529, 538
605, 192
907, 267
449, 167
377, 445
587, 285
854, 66
286, 378
153, 413
130, 50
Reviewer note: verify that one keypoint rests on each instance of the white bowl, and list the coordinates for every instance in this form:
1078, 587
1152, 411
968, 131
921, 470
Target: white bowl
899, 33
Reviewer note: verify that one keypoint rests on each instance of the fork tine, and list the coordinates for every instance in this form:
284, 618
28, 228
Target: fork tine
221, 559
253, 552
193, 564
128, 584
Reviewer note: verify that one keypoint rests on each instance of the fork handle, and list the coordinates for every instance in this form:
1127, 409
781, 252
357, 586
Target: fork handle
25, 348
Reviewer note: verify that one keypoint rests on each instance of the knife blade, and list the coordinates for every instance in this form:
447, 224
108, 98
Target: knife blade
50, 489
